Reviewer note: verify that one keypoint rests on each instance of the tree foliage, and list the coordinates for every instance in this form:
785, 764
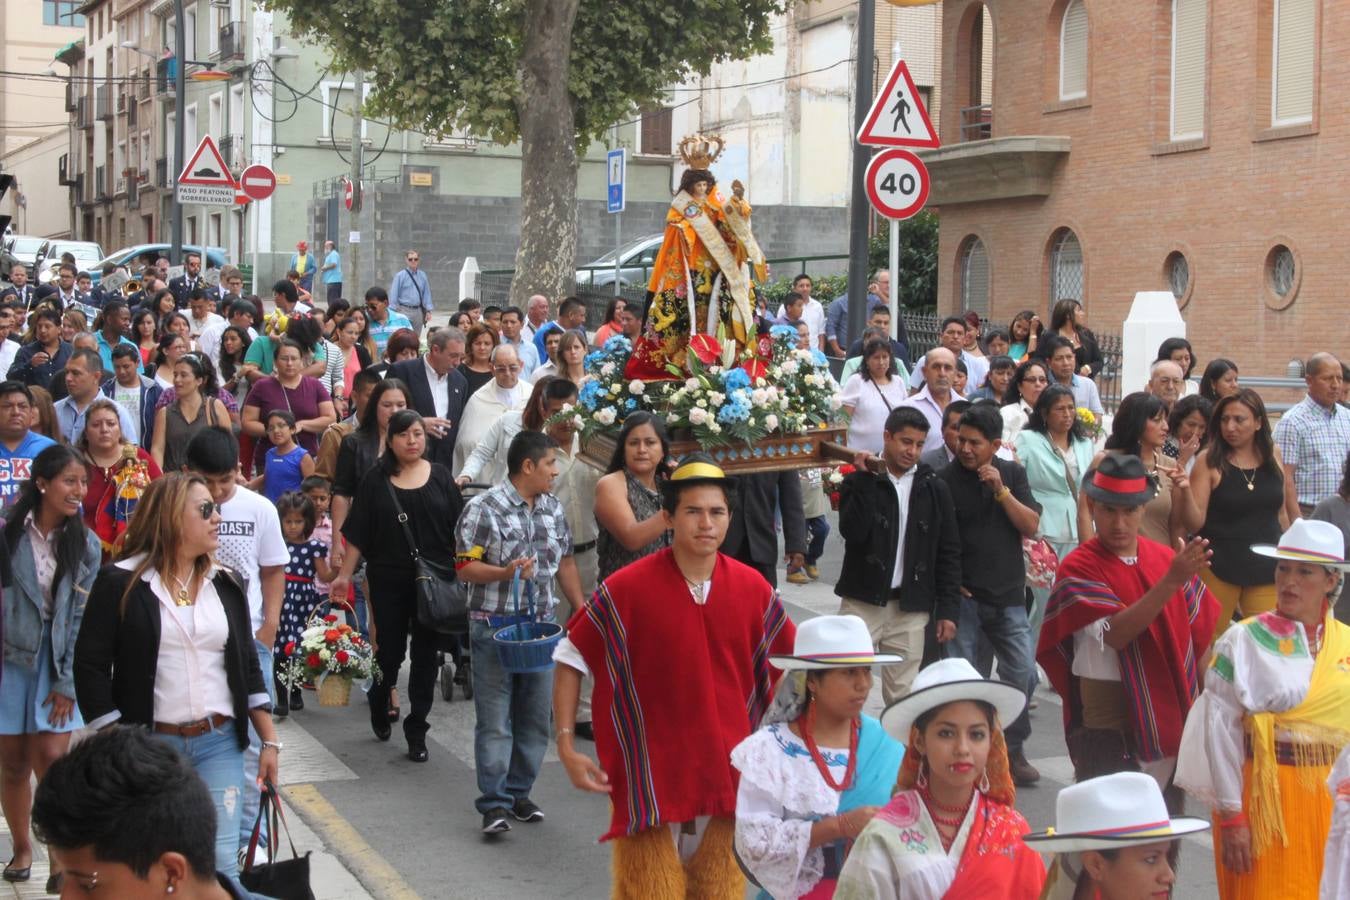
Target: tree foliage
916, 282
437, 65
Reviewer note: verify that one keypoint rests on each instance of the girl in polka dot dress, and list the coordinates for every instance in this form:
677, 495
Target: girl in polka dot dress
309, 558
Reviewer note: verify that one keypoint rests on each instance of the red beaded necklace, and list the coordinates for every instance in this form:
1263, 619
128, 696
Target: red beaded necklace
806, 723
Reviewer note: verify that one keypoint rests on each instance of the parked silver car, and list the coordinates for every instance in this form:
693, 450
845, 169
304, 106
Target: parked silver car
635, 264
22, 248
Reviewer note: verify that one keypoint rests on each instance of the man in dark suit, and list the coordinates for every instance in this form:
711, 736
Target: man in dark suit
751, 537
940, 457
182, 286
439, 391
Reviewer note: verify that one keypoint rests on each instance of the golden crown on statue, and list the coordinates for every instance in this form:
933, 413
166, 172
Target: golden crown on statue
700, 151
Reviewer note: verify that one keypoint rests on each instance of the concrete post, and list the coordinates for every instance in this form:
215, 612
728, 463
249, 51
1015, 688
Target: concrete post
1154, 317
468, 279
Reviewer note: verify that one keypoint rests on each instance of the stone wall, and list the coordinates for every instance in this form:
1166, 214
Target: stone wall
446, 228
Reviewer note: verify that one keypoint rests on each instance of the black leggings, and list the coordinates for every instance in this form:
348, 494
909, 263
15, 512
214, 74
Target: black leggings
393, 606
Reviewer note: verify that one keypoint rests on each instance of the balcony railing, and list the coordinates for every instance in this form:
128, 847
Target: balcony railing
231, 41
83, 112
977, 122
165, 70
133, 191
77, 190
103, 103
162, 172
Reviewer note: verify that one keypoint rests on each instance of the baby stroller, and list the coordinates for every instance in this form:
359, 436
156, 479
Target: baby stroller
452, 648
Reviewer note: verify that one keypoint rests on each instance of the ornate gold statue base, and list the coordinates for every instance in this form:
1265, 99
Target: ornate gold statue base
811, 450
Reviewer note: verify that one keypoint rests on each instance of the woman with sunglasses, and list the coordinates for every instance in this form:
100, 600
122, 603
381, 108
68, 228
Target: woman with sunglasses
167, 644
1030, 379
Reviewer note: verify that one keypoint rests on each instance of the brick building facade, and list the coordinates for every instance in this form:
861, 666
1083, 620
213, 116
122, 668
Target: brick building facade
1196, 145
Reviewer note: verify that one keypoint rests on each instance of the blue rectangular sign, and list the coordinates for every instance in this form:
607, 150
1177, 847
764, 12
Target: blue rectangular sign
617, 161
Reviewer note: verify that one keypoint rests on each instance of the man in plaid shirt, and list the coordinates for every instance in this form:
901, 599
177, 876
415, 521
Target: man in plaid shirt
1314, 435
517, 527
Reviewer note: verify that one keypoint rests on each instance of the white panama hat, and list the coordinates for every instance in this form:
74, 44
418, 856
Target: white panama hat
948, 681
1311, 541
833, 642
1121, 810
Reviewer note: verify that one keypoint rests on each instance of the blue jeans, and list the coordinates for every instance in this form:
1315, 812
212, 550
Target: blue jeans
249, 782
220, 763
819, 529
1009, 633
514, 718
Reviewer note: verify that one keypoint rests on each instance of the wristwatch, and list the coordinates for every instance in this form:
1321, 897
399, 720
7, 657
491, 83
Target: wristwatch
275, 745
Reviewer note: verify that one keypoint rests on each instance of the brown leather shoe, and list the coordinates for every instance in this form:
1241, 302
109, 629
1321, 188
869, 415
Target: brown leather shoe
1023, 773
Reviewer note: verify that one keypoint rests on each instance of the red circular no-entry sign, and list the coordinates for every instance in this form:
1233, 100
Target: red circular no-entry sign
258, 182
897, 183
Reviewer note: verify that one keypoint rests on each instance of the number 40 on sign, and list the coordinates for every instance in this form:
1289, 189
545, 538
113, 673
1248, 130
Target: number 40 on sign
897, 183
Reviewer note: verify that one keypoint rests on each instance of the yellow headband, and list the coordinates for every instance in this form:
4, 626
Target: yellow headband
697, 470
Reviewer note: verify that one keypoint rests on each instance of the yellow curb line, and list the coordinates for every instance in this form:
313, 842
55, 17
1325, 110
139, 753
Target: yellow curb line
361, 859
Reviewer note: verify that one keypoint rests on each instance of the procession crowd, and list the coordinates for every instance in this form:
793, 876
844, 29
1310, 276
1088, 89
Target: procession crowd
191, 481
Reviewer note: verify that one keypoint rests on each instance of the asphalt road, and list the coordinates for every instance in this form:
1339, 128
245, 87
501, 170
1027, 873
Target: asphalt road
407, 829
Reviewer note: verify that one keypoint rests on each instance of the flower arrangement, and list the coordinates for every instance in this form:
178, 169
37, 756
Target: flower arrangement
781, 390
1091, 424
327, 648
836, 478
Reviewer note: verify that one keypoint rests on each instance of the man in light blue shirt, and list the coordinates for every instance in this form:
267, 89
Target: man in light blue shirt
383, 320
332, 271
513, 322
84, 374
410, 293
116, 320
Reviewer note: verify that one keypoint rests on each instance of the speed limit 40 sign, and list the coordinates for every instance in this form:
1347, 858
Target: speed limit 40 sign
897, 183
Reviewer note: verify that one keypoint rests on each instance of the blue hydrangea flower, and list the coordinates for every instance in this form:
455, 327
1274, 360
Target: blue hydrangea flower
735, 379
784, 331
617, 344
818, 357
590, 394
593, 360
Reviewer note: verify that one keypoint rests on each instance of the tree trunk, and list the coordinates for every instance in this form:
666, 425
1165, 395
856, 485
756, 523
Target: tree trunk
546, 256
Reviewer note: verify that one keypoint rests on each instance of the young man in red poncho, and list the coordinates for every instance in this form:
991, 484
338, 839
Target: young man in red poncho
1126, 632
678, 644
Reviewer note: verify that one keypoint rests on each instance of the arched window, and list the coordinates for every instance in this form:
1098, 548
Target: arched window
1073, 52
1188, 69
1293, 52
974, 262
1066, 268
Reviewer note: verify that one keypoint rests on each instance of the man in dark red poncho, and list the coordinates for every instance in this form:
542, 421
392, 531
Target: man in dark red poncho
678, 644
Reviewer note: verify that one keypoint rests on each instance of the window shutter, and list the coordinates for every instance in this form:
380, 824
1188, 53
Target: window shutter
1188, 69
1295, 51
975, 278
1073, 52
655, 137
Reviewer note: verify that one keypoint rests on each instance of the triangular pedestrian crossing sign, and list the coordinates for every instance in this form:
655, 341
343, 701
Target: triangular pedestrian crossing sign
897, 117
206, 166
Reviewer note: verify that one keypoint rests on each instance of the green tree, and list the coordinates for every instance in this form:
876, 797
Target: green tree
551, 74
916, 282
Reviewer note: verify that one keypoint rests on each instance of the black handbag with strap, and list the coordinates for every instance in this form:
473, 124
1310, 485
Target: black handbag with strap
286, 879
441, 601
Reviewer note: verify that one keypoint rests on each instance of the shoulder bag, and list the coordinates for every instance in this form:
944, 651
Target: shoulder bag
441, 602
284, 879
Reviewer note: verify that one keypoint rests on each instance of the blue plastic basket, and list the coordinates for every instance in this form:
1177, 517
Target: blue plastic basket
526, 646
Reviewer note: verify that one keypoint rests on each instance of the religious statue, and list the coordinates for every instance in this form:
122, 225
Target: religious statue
700, 297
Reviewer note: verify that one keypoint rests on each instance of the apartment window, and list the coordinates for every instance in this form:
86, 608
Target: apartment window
1073, 52
62, 12
974, 263
1188, 69
654, 132
1293, 52
335, 110
215, 111
1066, 268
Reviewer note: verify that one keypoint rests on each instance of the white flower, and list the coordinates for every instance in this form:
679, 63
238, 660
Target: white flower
759, 397
835, 402
784, 403
325, 655
775, 372
771, 422
607, 370
698, 416
673, 419
714, 427
717, 399
636, 387
790, 367
578, 422
811, 379
606, 415
836, 478
804, 355
760, 382
691, 383
700, 403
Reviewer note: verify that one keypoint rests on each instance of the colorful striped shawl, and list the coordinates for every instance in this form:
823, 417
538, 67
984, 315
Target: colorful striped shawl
677, 685
1159, 668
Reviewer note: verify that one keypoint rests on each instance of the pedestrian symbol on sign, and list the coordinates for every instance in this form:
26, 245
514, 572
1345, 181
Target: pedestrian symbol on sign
901, 110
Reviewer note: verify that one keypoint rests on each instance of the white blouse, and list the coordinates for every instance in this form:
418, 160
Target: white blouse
871, 404
781, 796
1336, 861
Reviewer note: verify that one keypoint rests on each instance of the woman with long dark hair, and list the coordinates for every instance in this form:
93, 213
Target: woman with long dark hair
403, 489
50, 562
1067, 321
143, 333
1179, 351
628, 496
1139, 428
870, 394
613, 324
193, 407
1025, 332
1188, 430
1240, 499
1220, 380
167, 352
234, 344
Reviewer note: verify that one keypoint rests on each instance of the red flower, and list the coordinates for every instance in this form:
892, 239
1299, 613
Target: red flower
847, 469
342, 657
330, 618
706, 348
313, 661
331, 636
289, 648
755, 368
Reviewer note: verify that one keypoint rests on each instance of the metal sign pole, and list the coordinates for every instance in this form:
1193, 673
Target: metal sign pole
859, 210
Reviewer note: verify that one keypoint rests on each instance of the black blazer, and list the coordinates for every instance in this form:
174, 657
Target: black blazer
180, 290
752, 515
116, 654
413, 373
869, 515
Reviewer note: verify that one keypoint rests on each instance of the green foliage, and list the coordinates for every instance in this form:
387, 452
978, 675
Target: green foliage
443, 64
916, 283
824, 288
